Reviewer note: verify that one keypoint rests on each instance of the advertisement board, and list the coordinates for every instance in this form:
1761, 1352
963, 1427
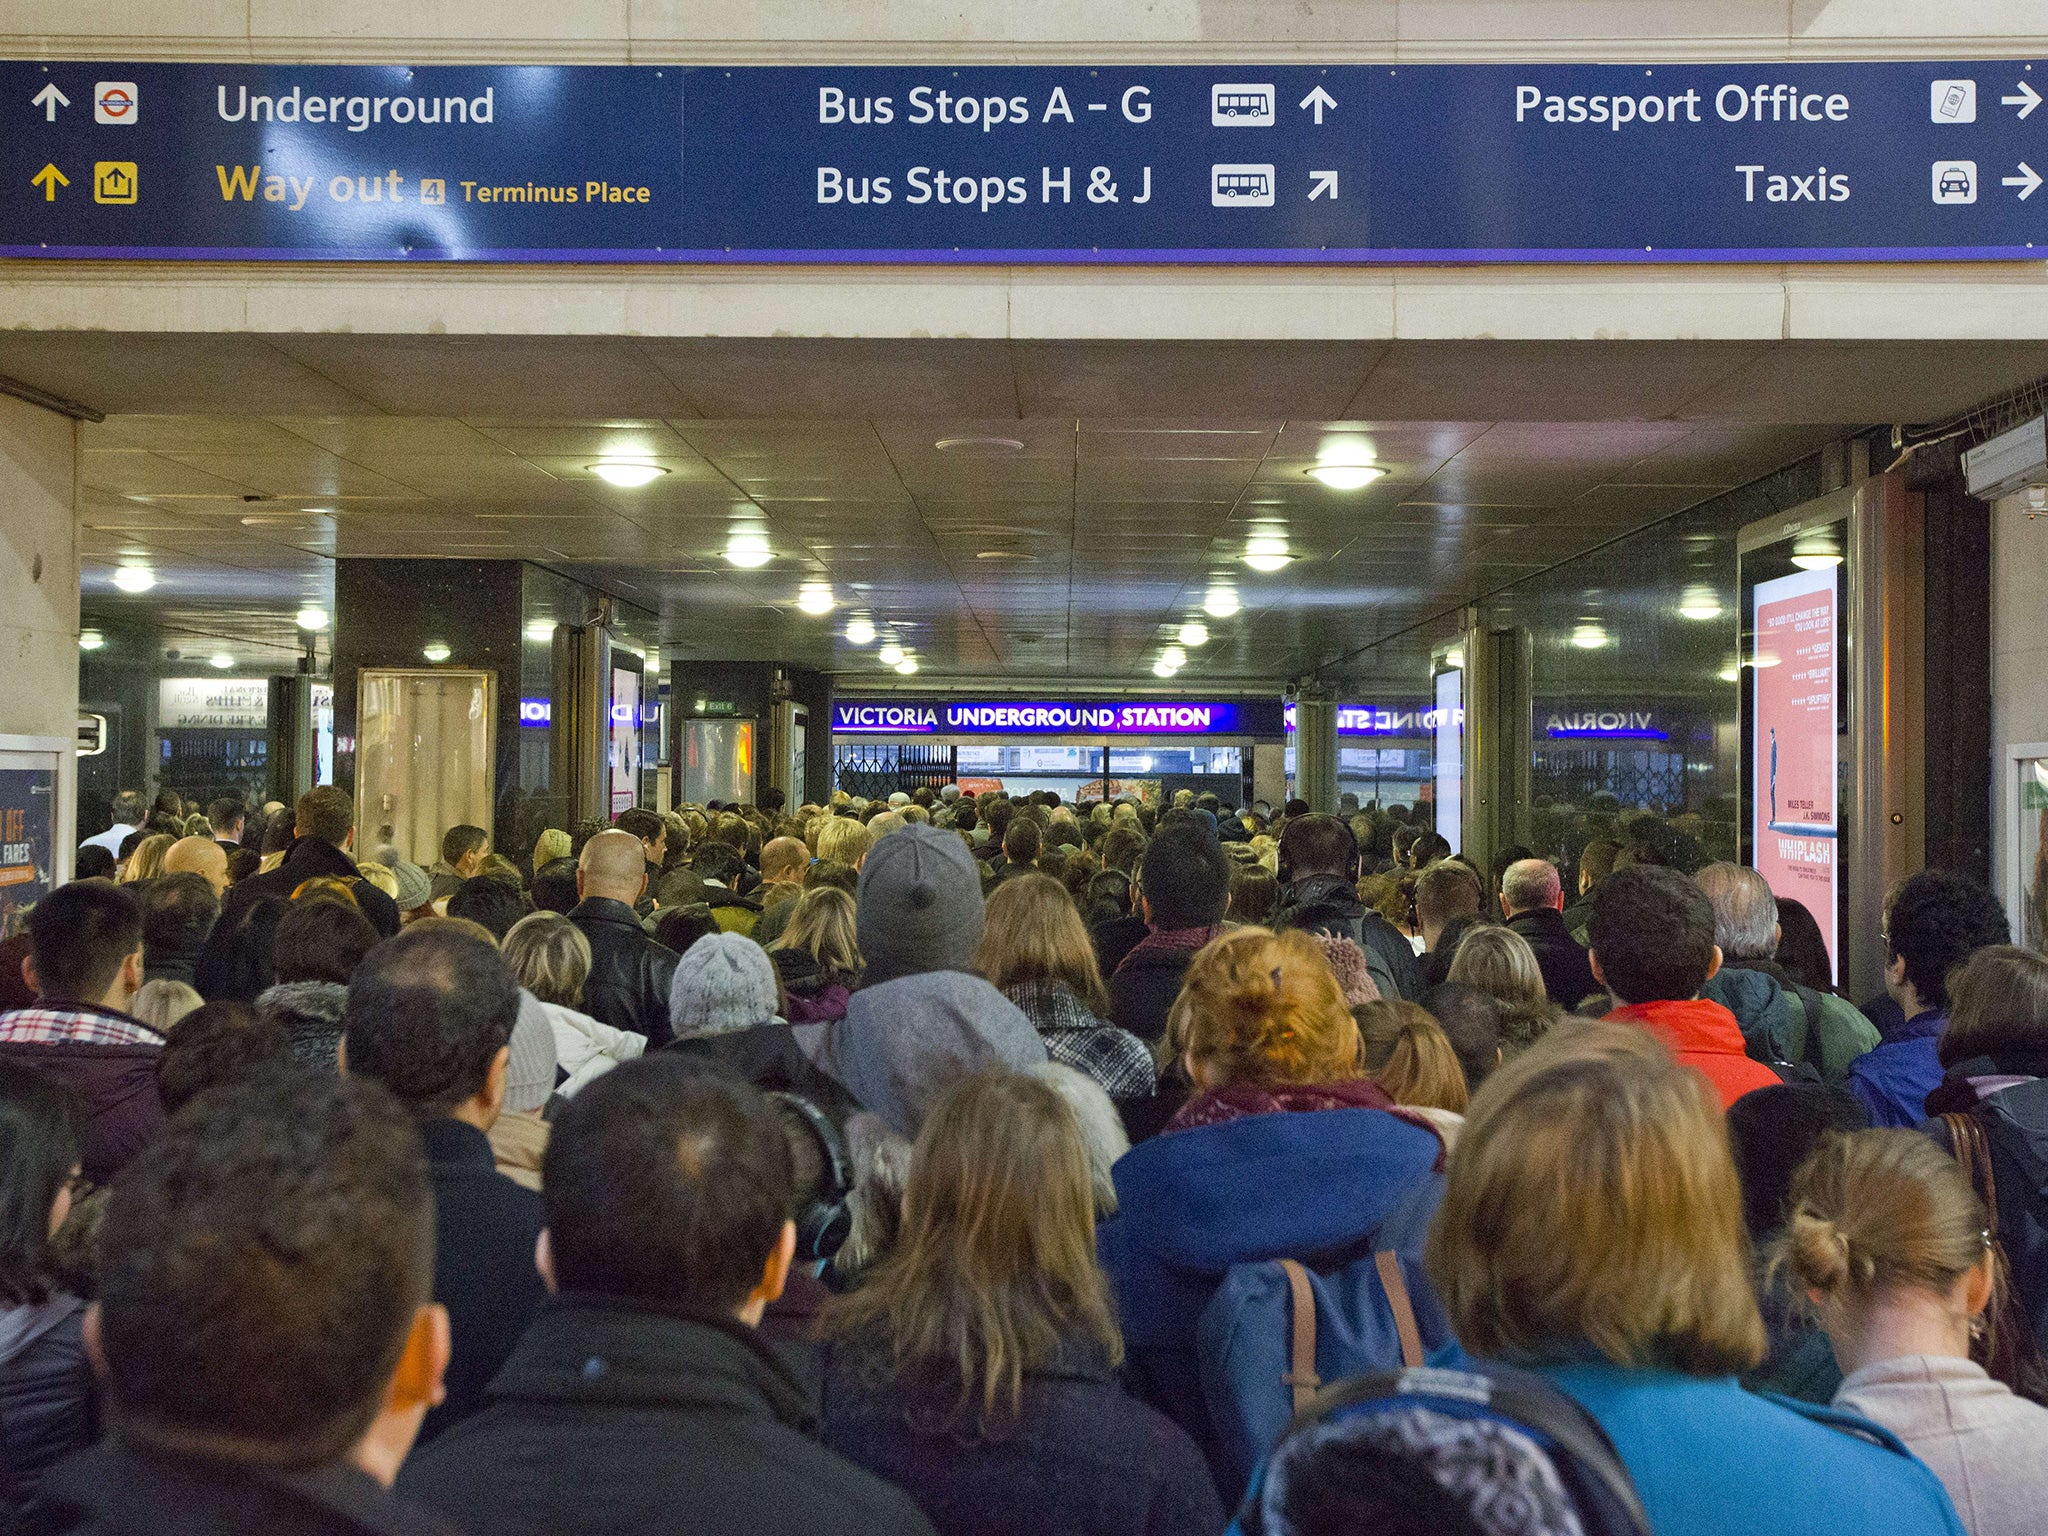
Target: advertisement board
213, 703
1795, 680
1450, 757
28, 834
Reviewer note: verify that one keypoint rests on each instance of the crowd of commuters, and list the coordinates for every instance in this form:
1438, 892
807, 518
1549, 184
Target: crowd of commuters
992, 1164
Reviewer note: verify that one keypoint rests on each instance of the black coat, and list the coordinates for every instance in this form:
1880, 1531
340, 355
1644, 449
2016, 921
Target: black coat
309, 857
485, 1227
768, 1057
1567, 974
1330, 904
1083, 1459
1142, 991
629, 972
49, 1400
621, 1419
1117, 938
119, 1488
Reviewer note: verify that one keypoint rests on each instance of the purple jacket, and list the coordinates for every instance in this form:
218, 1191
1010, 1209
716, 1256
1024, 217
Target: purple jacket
115, 1082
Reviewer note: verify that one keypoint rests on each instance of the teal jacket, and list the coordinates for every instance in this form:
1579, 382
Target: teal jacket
1774, 1022
1711, 1459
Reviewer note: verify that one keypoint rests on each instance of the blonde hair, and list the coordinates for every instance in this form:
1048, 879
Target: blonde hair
146, 858
550, 957
1500, 962
822, 923
1592, 1200
1035, 933
552, 844
1408, 1054
993, 1271
1997, 1001
1874, 1210
163, 1002
1264, 1008
843, 840
381, 876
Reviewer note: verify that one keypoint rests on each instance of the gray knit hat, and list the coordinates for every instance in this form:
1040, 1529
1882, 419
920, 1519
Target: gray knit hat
530, 1074
919, 904
724, 982
415, 889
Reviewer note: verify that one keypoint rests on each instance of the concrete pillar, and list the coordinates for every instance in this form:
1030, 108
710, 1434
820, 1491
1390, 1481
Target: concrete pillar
1315, 750
39, 594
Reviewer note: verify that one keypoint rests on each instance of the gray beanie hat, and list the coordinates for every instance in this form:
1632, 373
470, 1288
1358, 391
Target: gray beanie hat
724, 982
919, 905
530, 1074
415, 889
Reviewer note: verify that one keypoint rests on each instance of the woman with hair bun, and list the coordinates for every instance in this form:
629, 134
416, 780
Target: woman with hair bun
1889, 1243
1285, 1150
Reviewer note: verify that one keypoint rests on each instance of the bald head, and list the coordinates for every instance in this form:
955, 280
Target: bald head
1530, 884
784, 859
613, 865
202, 856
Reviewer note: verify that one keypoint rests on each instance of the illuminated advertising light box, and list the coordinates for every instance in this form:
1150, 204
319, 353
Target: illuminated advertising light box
1793, 811
1004, 717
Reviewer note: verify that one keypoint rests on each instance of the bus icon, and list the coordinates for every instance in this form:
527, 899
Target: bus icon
1241, 106
1240, 186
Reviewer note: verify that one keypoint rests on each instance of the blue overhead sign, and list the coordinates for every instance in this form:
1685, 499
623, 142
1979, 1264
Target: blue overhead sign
1893, 160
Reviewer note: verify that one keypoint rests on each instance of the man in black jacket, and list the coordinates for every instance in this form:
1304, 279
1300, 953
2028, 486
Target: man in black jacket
629, 972
264, 1324
1532, 900
1183, 890
1319, 894
325, 831
430, 1016
642, 1400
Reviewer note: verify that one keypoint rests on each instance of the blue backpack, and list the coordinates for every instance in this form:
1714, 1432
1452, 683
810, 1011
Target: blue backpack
1276, 1330
1398, 1430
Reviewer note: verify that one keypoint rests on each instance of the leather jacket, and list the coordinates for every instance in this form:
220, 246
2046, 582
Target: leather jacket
629, 973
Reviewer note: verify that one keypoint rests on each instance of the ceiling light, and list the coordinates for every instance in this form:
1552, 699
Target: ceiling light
748, 550
312, 617
1163, 668
889, 654
1221, 603
907, 665
222, 662
1589, 637
541, 631
90, 640
1267, 560
627, 474
436, 652
1346, 477
861, 632
978, 445
1699, 604
134, 578
1174, 657
815, 597
1193, 633
1817, 560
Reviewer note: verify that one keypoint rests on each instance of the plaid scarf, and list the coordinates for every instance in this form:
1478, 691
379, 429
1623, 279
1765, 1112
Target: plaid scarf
1235, 1101
1173, 940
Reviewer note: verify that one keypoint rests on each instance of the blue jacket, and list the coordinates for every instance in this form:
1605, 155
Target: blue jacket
1893, 1081
1289, 1185
1710, 1459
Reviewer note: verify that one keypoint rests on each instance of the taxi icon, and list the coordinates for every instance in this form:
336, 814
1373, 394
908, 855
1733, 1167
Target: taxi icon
1955, 181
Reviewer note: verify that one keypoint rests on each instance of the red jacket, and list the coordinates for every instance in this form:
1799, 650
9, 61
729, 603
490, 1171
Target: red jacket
1704, 1036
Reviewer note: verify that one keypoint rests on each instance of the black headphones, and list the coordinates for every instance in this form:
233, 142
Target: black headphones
823, 1225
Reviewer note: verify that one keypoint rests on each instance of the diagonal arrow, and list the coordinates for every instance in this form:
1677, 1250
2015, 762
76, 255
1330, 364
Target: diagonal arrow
49, 98
49, 178
1319, 99
2026, 181
1321, 182
2026, 100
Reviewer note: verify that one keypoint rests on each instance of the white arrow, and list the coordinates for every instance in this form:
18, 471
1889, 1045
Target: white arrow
2027, 99
1319, 99
49, 98
1321, 182
2026, 181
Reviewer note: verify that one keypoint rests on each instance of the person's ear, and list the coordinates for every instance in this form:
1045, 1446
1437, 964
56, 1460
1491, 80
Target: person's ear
544, 1261
420, 1380
1777, 936
579, 881
92, 1329
1713, 965
1977, 1286
1504, 912
28, 975
1593, 963
341, 1056
641, 889
495, 1079
131, 973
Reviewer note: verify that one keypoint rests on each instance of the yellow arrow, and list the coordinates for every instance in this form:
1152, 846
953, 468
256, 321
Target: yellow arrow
49, 178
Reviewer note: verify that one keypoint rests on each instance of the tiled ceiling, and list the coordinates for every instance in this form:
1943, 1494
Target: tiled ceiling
241, 467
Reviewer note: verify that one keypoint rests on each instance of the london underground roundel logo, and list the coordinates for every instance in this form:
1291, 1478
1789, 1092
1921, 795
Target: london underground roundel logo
115, 102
